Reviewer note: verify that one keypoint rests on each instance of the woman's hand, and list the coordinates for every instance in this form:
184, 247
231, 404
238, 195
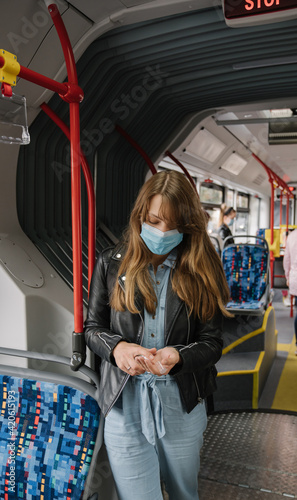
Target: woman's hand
127, 355
163, 361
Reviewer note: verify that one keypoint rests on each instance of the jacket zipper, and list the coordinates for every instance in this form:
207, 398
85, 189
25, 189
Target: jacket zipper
199, 399
188, 318
118, 395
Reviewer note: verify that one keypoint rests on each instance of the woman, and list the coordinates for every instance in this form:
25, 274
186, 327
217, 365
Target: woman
290, 267
154, 319
226, 220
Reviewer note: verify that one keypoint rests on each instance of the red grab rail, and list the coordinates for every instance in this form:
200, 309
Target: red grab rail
75, 168
183, 169
73, 94
137, 147
275, 182
90, 191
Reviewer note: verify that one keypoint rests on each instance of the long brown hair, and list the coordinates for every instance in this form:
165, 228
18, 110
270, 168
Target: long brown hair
198, 278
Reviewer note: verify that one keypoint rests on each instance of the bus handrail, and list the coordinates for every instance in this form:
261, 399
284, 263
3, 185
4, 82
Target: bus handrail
137, 147
73, 94
183, 169
90, 191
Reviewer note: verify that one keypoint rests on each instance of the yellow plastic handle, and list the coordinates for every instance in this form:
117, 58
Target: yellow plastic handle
9, 67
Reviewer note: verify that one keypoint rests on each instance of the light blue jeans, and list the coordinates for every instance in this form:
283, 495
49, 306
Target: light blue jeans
147, 441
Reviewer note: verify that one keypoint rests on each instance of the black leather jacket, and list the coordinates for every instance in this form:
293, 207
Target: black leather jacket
224, 231
199, 344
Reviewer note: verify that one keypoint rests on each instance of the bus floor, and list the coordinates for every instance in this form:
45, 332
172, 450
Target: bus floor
253, 454
248, 456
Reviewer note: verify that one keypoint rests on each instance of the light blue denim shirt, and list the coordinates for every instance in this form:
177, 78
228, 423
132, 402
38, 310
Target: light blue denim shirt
154, 325
144, 391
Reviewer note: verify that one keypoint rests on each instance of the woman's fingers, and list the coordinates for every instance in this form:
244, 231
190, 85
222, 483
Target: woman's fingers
126, 357
135, 359
164, 360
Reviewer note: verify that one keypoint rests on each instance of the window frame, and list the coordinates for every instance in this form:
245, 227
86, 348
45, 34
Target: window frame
209, 205
245, 195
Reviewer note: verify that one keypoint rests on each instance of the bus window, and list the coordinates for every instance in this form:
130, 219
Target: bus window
230, 197
241, 223
213, 223
284, 211
242, 200
211, 194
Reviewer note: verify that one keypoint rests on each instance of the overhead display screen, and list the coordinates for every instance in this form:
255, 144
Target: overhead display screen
260, 10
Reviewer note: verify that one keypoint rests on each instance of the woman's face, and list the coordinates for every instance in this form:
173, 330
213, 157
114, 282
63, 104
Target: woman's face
156, 218
229, 219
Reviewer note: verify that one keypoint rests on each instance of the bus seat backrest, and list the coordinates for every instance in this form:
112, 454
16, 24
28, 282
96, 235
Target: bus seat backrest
261, 233
216, 243
246, 268
47, 437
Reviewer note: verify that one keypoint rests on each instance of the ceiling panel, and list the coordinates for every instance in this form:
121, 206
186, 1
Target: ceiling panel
24, 25
156, 79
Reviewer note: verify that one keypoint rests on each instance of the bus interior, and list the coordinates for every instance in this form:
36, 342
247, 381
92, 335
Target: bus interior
194, 86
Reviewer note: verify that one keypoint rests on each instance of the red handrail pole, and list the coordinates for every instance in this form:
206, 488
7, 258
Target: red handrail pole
270, 177
183, 169
270, 174
274, 178
76, 217
287, 213
137, 147
65, 43
90, 191
71, 93
56, 119
43, 81
75, 171
271, 233
287, 231
281, 209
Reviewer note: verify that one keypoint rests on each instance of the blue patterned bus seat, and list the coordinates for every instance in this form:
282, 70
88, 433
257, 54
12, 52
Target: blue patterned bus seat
47, 437
246, 268
261, 233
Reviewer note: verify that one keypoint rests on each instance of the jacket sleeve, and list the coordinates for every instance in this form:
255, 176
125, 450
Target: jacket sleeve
206, 351
224, 232
99, 338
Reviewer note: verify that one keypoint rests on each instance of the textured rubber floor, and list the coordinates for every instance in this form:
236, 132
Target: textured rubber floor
249, 456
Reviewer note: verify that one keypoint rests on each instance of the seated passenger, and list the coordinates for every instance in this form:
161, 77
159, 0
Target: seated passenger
227, 216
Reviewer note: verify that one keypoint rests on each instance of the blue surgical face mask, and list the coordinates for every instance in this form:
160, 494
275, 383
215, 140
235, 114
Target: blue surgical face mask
158, 242
231, 222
